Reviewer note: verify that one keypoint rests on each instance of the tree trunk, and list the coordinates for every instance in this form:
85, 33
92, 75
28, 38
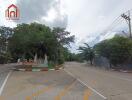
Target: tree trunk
35, 58
91, 62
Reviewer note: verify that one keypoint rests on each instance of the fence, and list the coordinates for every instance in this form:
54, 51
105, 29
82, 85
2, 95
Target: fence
103, 62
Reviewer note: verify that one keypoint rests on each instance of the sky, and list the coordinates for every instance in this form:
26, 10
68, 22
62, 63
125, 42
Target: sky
86, 19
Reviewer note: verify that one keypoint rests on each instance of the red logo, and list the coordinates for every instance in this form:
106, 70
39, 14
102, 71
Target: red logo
12, 12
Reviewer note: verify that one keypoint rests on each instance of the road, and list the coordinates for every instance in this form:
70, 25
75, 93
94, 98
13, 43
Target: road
51, 85
77, 81
4, 71
113, 85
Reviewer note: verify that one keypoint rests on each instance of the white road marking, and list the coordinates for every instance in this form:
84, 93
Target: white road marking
105, 98
4, 83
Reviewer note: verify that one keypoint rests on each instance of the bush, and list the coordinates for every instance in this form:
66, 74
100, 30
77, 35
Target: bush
5, 58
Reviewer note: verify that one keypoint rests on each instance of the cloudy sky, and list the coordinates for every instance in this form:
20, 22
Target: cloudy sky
84, 18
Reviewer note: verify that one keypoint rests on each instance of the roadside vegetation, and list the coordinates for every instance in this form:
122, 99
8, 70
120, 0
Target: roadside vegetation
87, 53
117, 50
26, 40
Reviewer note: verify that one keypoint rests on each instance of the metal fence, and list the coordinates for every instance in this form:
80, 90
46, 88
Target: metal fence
101, 62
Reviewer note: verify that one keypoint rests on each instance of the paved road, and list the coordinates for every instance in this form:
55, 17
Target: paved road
4, 70
5, 67
113, 85
76, 82
51, 85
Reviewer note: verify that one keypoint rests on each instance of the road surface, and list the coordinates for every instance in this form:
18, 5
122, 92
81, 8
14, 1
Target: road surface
4, 70
51, 85
77, 81
113, 85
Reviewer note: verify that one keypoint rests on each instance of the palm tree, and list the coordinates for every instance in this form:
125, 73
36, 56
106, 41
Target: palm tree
87, 52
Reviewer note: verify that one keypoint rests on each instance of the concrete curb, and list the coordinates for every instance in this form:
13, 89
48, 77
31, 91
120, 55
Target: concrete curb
36, 70
123, 71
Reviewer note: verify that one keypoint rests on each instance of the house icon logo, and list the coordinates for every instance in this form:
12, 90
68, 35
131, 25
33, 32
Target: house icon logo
12, 12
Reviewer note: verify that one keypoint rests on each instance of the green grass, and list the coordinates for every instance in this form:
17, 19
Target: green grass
51, 65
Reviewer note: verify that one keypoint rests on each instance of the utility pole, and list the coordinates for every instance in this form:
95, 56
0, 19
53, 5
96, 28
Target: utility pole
128, 20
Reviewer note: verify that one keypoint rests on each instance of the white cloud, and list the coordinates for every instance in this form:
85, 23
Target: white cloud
91, 17
84, 18
43, 11
52, 14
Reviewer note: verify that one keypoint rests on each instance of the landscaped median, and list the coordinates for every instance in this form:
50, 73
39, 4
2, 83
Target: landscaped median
36, 67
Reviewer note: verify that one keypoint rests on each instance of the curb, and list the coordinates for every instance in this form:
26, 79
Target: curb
123, 71
36, 70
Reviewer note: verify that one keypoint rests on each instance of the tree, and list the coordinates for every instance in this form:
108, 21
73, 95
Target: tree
63, 40
117, 50
29, 39
34, 38
5, 35
70, 56
62, 36
87, 52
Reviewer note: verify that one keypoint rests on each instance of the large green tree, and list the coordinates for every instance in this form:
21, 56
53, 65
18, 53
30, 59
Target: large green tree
117, 50
63, 40
29, 39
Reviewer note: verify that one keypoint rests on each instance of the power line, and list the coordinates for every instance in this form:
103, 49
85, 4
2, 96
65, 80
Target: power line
128, 20
112, 29
116, 22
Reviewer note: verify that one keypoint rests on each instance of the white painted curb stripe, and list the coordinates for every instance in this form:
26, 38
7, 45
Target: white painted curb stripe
38, 69
4, 83
105, 98
51, 69
60, 68
22, 69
